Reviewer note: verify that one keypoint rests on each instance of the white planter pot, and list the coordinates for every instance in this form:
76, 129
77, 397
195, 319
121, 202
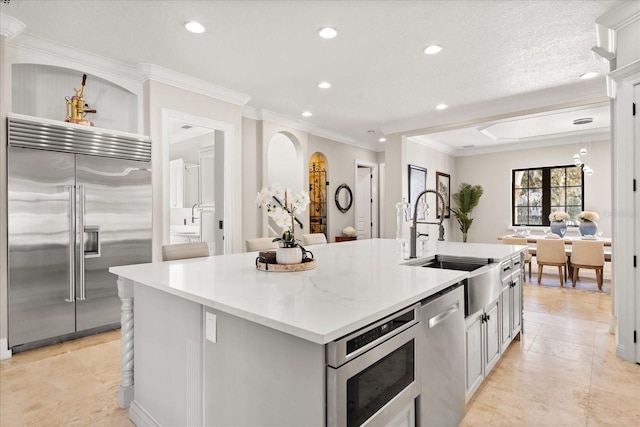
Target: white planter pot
289, 255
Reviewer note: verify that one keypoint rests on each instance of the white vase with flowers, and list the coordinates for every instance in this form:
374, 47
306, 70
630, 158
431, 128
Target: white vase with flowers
557, 221
282, 205
588, 225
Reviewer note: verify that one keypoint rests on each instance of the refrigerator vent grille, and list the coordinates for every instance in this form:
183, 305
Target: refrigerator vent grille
43, 134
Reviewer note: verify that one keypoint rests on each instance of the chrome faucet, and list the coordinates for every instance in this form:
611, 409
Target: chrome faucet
414, 234
193, 216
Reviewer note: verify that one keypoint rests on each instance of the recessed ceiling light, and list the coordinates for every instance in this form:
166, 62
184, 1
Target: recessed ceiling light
194, 27
324, 85
441, 106
328, 32
433, 49
383, 139
589, 75
307, 113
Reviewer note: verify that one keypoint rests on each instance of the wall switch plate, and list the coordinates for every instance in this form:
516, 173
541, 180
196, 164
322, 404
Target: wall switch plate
210, 327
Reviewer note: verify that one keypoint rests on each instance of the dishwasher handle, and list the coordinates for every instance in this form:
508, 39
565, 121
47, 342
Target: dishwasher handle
444, 314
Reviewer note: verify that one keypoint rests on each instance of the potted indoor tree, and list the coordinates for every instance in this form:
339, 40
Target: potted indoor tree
466, 199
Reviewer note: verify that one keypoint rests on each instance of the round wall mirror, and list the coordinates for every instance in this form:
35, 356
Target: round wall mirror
344, 198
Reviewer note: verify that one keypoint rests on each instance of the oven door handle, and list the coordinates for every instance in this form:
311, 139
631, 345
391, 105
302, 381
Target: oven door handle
442, 316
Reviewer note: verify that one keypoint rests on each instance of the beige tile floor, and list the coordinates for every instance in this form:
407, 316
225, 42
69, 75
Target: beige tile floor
563, 372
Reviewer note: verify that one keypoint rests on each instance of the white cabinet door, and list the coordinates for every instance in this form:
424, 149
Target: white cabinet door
516, 303
505, 315
474, 350
492, 335
176, 183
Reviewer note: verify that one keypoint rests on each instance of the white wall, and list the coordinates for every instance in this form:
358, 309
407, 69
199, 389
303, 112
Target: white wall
282, 162
340, 170
434, 161
252, 177
159, 96
492, 216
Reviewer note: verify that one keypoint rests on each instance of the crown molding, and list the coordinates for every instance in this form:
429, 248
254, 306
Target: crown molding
428, 142
608, 24
620, 16
615, 77
573, 95
277, 118
601, 134
10, 27
31, 49
324, 133
169, 77
251, 113
597, 135
312, 129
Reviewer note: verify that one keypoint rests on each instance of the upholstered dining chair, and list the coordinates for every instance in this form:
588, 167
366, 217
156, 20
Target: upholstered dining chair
184, 251
551, 252
521, 241
313, 239
586, 254
260, 244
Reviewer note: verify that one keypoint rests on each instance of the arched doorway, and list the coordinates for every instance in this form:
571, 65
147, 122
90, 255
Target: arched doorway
318, 194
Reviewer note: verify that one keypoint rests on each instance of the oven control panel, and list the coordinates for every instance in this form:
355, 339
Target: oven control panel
361, 341
371, 335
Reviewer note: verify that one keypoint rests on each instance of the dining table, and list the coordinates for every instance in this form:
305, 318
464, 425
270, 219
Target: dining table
568, 240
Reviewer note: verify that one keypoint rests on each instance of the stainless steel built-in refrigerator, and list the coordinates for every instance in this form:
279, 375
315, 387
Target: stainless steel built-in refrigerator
79, 202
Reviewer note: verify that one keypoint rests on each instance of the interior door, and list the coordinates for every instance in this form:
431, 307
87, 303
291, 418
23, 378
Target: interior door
363, 203
115, 196
40, 224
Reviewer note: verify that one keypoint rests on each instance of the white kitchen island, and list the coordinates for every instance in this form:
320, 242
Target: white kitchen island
267, 364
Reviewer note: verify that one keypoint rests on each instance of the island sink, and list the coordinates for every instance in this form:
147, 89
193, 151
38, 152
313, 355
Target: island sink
481, 287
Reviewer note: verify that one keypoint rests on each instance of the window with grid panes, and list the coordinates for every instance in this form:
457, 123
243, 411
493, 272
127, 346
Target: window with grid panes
536, 192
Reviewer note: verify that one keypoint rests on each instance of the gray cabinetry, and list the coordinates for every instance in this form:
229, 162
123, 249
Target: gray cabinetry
511, 300
482, 340
489, 331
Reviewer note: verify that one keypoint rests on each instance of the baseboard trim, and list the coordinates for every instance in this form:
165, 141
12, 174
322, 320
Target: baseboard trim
5, 353
140, 417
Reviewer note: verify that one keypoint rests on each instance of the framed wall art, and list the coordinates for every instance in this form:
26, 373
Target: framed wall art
417, 184
443, 186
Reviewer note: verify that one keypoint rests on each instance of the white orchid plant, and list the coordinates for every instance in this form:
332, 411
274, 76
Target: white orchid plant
559, 216
283, 212
588, 216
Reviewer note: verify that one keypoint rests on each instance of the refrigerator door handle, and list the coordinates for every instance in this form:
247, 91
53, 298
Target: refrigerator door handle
72, 249
80, 251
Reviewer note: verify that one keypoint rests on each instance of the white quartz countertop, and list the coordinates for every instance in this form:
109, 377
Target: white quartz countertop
354, 284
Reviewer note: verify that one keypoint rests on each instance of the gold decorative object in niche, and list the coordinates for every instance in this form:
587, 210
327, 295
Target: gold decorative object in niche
76, 107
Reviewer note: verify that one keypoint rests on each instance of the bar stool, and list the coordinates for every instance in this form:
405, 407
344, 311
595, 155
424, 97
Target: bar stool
260, 244
184, 251
585, 254
313, 239
551, 252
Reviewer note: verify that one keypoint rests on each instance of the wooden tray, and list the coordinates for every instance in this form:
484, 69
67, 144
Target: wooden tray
306, 264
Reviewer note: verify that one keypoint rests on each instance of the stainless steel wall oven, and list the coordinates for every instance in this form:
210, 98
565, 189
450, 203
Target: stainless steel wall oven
374, 374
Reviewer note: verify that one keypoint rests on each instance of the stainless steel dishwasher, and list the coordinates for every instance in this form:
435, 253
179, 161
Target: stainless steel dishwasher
441, 356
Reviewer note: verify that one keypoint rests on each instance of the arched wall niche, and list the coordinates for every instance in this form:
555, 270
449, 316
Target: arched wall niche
284, 167
40, 90
284, 162
318, 209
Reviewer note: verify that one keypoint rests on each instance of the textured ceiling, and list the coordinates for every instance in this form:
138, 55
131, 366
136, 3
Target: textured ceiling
382, 81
